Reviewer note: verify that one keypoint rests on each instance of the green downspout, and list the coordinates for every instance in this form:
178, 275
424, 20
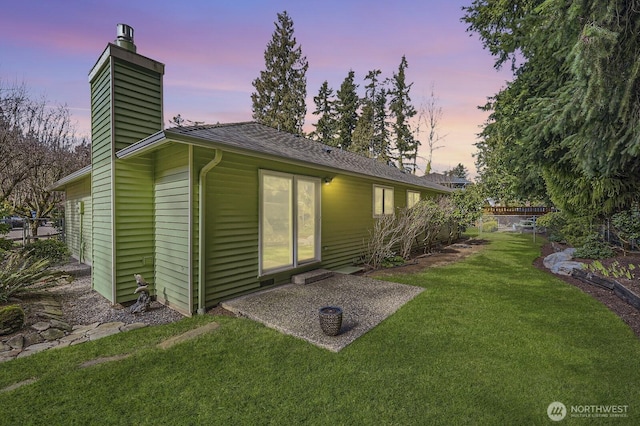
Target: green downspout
202, 189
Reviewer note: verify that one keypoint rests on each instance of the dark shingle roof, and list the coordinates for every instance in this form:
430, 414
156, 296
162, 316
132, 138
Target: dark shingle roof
254, 137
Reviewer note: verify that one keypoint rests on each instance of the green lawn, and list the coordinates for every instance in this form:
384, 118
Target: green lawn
492, 340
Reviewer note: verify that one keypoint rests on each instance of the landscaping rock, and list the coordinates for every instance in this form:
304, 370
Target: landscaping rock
561, 256
566, 268
32, 339
60, 325
134, 326
52, 334
16, 342
11, 319
41, 326
104, 330
560, 263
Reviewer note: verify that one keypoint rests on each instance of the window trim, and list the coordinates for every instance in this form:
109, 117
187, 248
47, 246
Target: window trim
411, 191
384, 189
294, 214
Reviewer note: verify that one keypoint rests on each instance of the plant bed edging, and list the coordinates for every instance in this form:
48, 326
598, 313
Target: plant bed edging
592, 279
627, 295
619, 290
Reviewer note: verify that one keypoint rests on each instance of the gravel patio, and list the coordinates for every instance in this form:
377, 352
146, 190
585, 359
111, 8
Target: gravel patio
293, 308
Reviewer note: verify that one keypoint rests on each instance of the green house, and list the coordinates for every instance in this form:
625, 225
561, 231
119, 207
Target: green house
206, 213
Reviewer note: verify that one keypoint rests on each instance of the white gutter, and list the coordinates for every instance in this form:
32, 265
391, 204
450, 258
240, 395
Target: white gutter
202, 189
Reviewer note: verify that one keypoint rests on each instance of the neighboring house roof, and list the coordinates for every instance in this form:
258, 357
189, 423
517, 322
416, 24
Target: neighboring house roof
252, 138
452, 181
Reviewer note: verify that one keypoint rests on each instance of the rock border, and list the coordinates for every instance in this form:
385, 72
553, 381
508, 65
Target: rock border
53, 332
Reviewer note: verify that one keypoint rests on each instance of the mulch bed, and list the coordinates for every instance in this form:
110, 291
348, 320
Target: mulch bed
629, 314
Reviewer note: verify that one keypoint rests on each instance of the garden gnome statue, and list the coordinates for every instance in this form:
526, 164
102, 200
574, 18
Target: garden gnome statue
144, 300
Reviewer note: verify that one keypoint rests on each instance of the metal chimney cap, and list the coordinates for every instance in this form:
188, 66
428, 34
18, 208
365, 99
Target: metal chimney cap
125, 32
125, 37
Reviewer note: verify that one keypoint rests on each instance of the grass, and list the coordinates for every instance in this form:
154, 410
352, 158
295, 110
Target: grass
492, 340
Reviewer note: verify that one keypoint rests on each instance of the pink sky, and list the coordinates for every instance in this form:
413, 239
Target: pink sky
212, 53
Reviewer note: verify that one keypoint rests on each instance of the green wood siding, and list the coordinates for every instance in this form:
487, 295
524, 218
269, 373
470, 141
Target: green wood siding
78, 224
101, 173
137, 103
347, 216
126, 106
134, 230
231, 228
172, 212
232, 220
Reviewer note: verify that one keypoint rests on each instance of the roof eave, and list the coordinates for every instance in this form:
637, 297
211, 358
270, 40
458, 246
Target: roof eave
59, 185
147, 144
207, 143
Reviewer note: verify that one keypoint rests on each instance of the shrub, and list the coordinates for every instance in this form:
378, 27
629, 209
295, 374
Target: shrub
435, 219
627, 226
11, 319
490, 225
383, 237
553, 222
577, 231
411, 222
53, 250
594, 248
5, 244
21, 274
390, 262
562, 227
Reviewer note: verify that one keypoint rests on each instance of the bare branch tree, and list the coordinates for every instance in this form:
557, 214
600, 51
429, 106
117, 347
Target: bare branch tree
429, 116
37, 147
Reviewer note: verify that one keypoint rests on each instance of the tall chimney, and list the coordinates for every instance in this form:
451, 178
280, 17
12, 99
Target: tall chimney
126, 107
125, 37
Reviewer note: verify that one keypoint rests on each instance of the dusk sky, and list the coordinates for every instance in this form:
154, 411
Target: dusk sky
213, 50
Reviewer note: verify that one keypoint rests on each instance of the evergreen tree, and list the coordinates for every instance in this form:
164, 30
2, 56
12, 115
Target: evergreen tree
458, 171
362, 138
371, 136
406, 145
325, 131
567, 125
347, 105
376, 97
281, 89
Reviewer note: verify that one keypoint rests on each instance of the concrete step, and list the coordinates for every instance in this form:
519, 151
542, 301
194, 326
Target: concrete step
311, 276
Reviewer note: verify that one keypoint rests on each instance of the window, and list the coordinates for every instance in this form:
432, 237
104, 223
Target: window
413, 198
382, 200
289, 221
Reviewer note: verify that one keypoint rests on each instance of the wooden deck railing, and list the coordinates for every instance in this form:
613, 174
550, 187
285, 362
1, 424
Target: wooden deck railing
519, 211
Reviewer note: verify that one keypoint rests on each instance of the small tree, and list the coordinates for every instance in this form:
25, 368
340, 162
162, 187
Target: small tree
429, 116
37, 147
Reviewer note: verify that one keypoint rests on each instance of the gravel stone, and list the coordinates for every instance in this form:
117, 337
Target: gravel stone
81, 305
